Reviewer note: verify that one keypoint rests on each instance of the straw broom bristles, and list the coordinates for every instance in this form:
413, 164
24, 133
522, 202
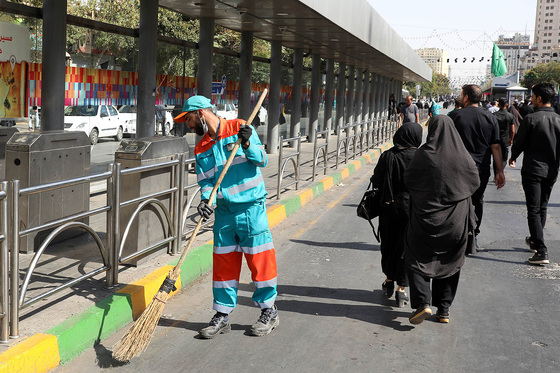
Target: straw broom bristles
138, 336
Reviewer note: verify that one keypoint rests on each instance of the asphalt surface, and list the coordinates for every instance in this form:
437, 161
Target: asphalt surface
335, 317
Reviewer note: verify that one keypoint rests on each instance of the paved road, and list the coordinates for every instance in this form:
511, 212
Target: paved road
334, 316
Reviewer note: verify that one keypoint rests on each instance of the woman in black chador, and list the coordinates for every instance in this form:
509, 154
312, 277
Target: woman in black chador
388, 177
441, 178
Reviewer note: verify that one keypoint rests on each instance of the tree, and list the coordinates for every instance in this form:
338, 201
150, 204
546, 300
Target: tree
544, 73
439, 86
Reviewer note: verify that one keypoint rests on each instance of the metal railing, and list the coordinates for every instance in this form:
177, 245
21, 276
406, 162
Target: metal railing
179, 196
320, 150
283, 160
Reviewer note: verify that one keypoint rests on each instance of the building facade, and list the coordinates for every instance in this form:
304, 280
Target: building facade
437, 59
546, 46
514, 48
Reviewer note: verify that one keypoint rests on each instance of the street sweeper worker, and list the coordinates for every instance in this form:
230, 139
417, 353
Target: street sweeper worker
241, 224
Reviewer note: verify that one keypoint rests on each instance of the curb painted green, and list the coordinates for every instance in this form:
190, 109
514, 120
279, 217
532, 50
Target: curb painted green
90, 327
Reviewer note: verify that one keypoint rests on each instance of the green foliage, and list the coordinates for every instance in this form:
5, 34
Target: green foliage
124, 49
544, 73
440, 85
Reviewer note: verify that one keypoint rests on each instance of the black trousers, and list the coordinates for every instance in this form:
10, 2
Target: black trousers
537, 193
478, 198
441, 295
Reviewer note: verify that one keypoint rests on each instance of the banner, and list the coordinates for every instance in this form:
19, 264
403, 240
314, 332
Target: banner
15, 49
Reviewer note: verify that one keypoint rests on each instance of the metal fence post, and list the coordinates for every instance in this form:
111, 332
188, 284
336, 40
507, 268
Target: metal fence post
109, 276
4, 268
280, 153
116, 212
14, 259
179, 205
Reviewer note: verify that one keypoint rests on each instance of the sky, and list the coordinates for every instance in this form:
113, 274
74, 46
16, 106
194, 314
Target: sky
463, 29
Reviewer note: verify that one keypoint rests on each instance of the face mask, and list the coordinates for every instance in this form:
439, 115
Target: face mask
202, 127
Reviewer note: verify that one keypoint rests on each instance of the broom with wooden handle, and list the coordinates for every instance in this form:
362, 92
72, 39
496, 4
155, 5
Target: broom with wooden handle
138, 336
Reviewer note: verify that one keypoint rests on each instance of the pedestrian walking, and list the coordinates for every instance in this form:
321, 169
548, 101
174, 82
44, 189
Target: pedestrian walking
539, 139
409, 112
517, 118
507, 129
441, 178
241, 224
480, 133
388, 178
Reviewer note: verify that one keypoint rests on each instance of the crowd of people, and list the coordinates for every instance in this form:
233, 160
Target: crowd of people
433, 195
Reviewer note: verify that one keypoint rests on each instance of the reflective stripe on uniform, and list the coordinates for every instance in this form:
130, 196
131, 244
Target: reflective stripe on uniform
243, 187
264, 284
226, 284
259, 249
226, 249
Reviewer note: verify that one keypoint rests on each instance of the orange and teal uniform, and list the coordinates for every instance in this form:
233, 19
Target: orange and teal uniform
241, 224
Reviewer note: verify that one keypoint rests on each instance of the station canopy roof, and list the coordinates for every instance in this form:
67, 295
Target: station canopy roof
348, 31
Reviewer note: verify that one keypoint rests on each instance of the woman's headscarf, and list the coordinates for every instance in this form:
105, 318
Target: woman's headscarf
408, 136
442, 171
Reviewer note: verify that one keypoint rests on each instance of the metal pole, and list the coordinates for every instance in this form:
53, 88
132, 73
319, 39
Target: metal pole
110, 280
274, 97
359, 97
147, 85
329, 86
350, 101
54, 65
116, 205
205, 52
14, 260
4, 268
295, 118
315, 89
279, 167
184, 70
340, 95
179, 205
245, 75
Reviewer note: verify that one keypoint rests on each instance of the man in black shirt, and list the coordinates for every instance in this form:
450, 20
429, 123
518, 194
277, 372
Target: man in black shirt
539, 139
507, 128
480, 133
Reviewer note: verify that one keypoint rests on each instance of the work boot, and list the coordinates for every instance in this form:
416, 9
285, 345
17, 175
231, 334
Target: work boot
266, 322
218, 325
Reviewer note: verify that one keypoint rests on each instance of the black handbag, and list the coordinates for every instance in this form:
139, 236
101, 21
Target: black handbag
370, 206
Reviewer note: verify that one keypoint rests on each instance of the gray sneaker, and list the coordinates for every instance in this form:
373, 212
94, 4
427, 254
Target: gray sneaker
266, 323
218, 325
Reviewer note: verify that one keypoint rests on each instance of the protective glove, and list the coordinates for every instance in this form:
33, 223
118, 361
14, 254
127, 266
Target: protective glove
244, 133
204, 209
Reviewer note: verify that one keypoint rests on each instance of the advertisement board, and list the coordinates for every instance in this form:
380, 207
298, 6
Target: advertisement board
14, 56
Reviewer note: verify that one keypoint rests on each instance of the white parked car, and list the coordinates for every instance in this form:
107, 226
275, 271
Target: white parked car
263, 116
226, 111
95, 120
128, 114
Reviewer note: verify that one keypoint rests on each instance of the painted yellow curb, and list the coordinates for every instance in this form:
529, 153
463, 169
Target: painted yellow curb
38, 353
345, 173
357, 164
328, 183
276, 214
142, 291
306, 196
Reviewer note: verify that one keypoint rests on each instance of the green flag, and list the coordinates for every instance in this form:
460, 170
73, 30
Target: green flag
499, 67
